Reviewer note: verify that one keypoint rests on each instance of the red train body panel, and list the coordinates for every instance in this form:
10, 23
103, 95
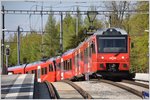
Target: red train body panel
107, 52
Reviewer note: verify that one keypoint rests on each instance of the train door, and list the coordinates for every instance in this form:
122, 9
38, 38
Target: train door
88, 56
93, 56
62, 69
76, 63
79, 60
54, 63
58, 69
39, 73
85, 60
51, 74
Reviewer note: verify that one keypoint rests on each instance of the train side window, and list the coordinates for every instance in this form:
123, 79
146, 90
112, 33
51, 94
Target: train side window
64, 65
82, 56
28, 72
76, 61
89, 51
42, 71
68, 64
58, 66
93, 47
50, 67
86, 56
45, 70
35, 73
32, 71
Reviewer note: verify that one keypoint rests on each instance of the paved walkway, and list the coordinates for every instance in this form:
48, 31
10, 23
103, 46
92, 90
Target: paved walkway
17, 86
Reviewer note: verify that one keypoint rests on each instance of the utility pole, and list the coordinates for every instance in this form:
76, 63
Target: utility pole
42, 29
7, 55
3, 39
77, 21
61, 33
18, 46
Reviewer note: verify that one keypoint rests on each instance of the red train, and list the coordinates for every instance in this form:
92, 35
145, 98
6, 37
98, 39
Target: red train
106, 52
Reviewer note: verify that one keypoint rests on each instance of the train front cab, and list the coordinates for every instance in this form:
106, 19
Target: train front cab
113, 53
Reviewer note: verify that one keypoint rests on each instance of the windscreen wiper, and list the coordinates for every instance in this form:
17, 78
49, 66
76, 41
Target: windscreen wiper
118, 52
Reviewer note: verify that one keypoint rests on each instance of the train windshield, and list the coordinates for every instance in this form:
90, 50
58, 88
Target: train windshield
112, 44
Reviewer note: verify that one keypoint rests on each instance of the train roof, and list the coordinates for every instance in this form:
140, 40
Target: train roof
34, 63
68, 52
113, 30
51, 59
17, 66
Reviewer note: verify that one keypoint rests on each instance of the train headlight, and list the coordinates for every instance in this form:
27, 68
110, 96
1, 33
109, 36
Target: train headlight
125, 65
101, 65
102, 57
10, 73
122, 57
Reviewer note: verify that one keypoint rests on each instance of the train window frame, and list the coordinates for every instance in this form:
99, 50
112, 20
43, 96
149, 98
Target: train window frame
126, 37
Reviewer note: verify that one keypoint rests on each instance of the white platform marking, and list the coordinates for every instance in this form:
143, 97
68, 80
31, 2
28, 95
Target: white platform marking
18, 82
31, 89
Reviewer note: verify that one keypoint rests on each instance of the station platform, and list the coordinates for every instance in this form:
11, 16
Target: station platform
142, 76
17, 86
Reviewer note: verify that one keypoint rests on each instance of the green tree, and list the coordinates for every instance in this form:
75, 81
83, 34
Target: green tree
68, 29
51, 37
29, 48
138, 24
74, 41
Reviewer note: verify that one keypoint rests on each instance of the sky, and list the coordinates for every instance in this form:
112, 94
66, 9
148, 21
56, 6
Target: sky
27, 21
12, 21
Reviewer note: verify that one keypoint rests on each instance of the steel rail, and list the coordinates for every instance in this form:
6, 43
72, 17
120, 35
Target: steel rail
79, 89
52, 91
140, 80
136, 92
136, 83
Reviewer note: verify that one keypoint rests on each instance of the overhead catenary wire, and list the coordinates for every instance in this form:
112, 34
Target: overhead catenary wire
57, 12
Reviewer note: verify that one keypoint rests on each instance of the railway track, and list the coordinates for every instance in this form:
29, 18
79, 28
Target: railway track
136, 83
79, 89
125, 87
52, 91
45, 90
140, 80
